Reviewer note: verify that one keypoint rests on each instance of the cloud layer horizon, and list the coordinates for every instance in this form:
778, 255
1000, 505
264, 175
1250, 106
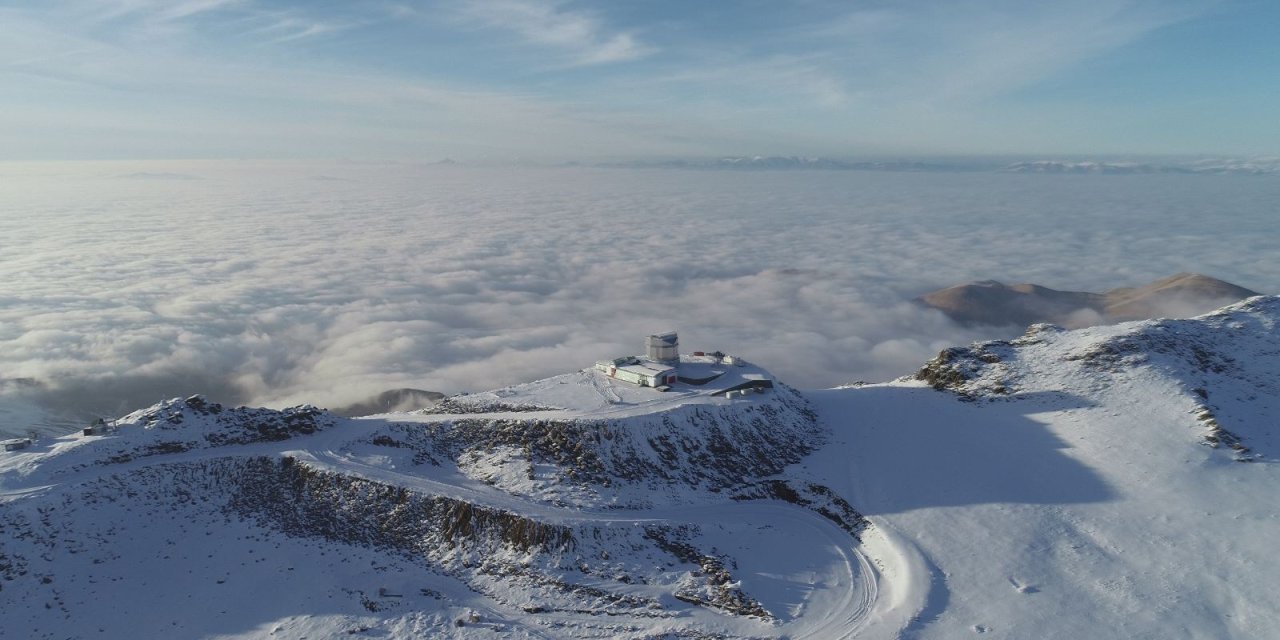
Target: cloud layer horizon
276, 283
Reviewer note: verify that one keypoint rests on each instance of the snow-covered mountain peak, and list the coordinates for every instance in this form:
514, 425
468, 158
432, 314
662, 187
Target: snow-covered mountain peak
174, 426
1234, 351
221, 425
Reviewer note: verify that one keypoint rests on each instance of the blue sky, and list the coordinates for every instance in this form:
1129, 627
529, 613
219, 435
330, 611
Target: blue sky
548, 80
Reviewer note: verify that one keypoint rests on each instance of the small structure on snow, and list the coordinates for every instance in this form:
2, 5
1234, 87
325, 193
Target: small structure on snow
662, 366
645, 373
16, 444
657, 368
98, 428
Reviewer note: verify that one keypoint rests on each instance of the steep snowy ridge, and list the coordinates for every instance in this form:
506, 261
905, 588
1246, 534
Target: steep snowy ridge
1232, 351
1058, 485
631, 461
175, 426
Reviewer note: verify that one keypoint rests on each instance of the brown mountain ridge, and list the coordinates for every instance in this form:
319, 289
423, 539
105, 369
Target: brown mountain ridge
994, 303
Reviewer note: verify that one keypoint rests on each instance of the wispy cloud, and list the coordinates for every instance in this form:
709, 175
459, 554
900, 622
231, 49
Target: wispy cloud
541, 22
195, 103
180, 10
802, 80
984, 53
281, 27
145, 10
172, 20
918, 76
918, 55
814, 78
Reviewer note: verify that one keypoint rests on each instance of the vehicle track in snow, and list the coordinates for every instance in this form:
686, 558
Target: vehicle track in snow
904, 575
852, 597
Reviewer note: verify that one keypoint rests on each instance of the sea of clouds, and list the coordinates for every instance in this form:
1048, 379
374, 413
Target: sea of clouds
273, 283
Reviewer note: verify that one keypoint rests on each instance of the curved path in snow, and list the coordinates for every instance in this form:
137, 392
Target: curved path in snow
842, 603
906, 574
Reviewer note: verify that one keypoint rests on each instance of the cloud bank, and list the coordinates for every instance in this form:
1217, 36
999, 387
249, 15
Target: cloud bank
259, 283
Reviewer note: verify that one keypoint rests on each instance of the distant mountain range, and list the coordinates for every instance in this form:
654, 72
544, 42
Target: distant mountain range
998, 304
1241, 166
1261, 166
775, 163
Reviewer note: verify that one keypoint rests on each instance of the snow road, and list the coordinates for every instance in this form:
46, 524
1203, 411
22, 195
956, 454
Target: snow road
838, 605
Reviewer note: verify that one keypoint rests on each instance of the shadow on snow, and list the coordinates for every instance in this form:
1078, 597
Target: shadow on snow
915, 448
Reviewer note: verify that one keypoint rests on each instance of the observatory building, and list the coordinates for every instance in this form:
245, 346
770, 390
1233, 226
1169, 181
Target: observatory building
662, 366
663, 347
657, 368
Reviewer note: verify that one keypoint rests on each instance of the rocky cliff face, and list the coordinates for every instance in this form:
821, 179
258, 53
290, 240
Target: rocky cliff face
632, 461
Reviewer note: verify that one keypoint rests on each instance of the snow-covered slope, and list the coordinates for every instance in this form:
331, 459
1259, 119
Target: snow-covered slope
1065, 484
1083, 483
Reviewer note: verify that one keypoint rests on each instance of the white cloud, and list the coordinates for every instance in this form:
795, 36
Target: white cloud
296, 29
177, 11
914, 77
938, 53
991, 48
83, 94
549, 24
258, 284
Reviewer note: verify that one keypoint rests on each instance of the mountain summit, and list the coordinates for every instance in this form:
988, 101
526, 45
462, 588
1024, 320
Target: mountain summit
997, 304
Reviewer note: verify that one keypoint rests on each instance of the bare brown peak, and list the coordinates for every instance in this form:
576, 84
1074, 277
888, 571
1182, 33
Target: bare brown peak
393, 400
1184, 294
1189, 282
993, 303
995, 287
990, 302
